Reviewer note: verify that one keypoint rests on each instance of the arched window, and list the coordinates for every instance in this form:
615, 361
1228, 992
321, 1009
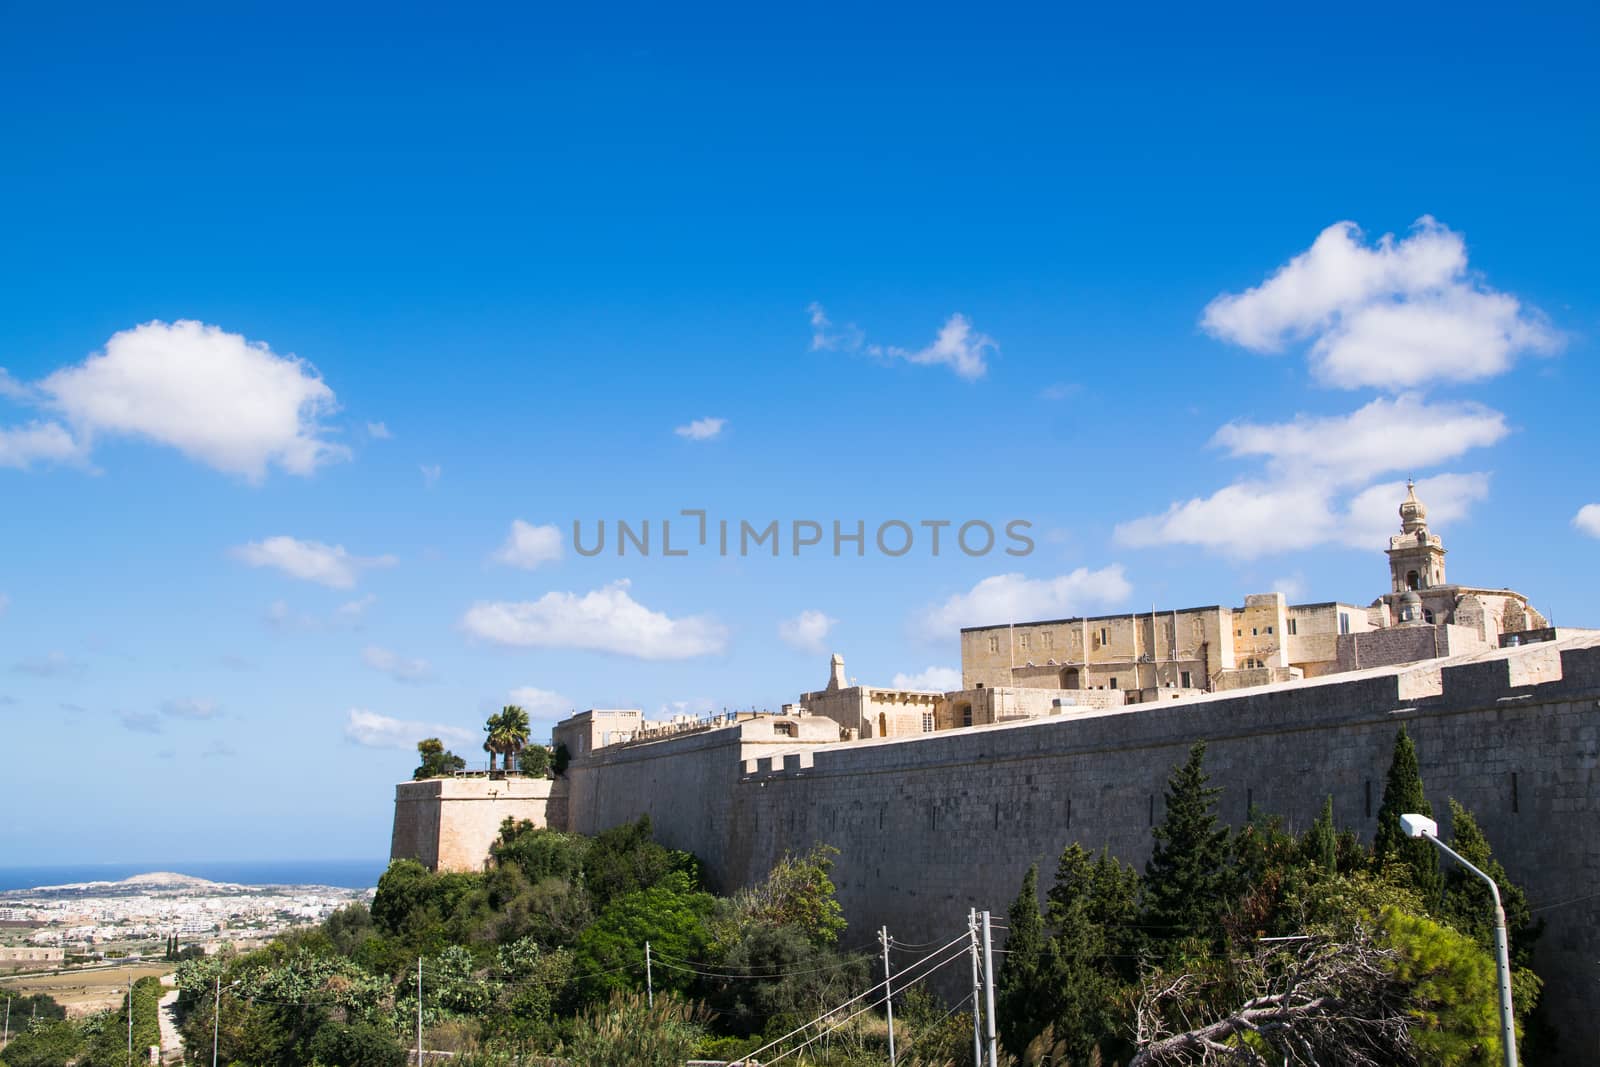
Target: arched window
1412, 582
883, 725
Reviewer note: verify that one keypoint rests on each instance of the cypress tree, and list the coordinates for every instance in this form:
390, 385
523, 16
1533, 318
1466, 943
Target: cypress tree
1320, 847
1018, 997
1403, 794
1186, 880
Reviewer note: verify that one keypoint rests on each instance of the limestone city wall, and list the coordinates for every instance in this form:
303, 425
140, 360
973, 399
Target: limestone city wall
930, 826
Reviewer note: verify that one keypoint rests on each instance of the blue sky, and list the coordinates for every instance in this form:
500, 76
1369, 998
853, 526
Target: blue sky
1079, 269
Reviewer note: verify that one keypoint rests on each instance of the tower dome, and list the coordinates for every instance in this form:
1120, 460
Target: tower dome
1413, 513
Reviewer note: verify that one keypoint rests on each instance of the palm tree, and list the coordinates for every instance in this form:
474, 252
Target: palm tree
514, 732
494, 740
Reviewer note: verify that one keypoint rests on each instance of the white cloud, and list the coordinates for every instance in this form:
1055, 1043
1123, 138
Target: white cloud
1292, 586
219, 399
958, 345
1373, 514
1015, 598
807, 631
528, 545
431, 473
12, 389
702, 429
540, 703
378, 431
40, 442
1251, 519
190, 708
932, 680
311, 561
1405, 433
1588, 519
604, 620
1396, 314
396, 666
368, 728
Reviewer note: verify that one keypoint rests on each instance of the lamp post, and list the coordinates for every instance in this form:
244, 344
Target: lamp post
1422, 826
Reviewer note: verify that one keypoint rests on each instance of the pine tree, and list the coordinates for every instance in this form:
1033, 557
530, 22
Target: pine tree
1019, 1004
1320, 846
1403, 794
1186, 880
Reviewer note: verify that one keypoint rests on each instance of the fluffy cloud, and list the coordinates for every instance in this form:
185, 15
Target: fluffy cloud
932, 680
1588, 519
1395, 314
603, 620
396, 666
378, 431
372, 730
229, 403
310, 561
528, 545
40, 442
807, 631
540, 703
958, 345
1015, 598
701, 429
431, 473
190, 708
1404, 433
1251, 519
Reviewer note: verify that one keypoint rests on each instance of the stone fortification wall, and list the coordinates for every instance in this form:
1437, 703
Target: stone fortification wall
449, 823
928, 827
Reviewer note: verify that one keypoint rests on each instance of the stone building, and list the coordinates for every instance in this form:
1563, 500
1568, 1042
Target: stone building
1174, 653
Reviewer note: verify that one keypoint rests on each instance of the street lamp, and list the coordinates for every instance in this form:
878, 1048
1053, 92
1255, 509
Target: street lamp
1422, 826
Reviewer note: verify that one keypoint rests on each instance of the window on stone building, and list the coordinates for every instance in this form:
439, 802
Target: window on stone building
1049, 639
1293, 629
1238, 633
994, 643
1344, 622
1269, 629
927, 722
1184, 680
1254, 632
1113, 683
1022, 642
966, 715
1105, 636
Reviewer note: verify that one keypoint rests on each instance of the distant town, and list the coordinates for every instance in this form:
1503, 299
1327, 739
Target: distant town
151, 916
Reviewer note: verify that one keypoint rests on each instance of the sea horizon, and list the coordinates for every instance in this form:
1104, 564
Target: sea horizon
347, 873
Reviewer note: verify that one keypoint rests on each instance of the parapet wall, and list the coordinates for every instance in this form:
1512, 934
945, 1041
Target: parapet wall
448, 824
930, 826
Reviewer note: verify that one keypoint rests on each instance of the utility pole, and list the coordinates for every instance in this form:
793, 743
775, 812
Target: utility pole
649, 980
7, 1039
888, 989
130, 1020
216, 1019
977, 990
419, 1011
988, 983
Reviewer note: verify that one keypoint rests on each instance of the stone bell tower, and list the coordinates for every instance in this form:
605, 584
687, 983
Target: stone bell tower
1416, 557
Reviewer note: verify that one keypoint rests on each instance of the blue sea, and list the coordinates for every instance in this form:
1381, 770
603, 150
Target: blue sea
350, 874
